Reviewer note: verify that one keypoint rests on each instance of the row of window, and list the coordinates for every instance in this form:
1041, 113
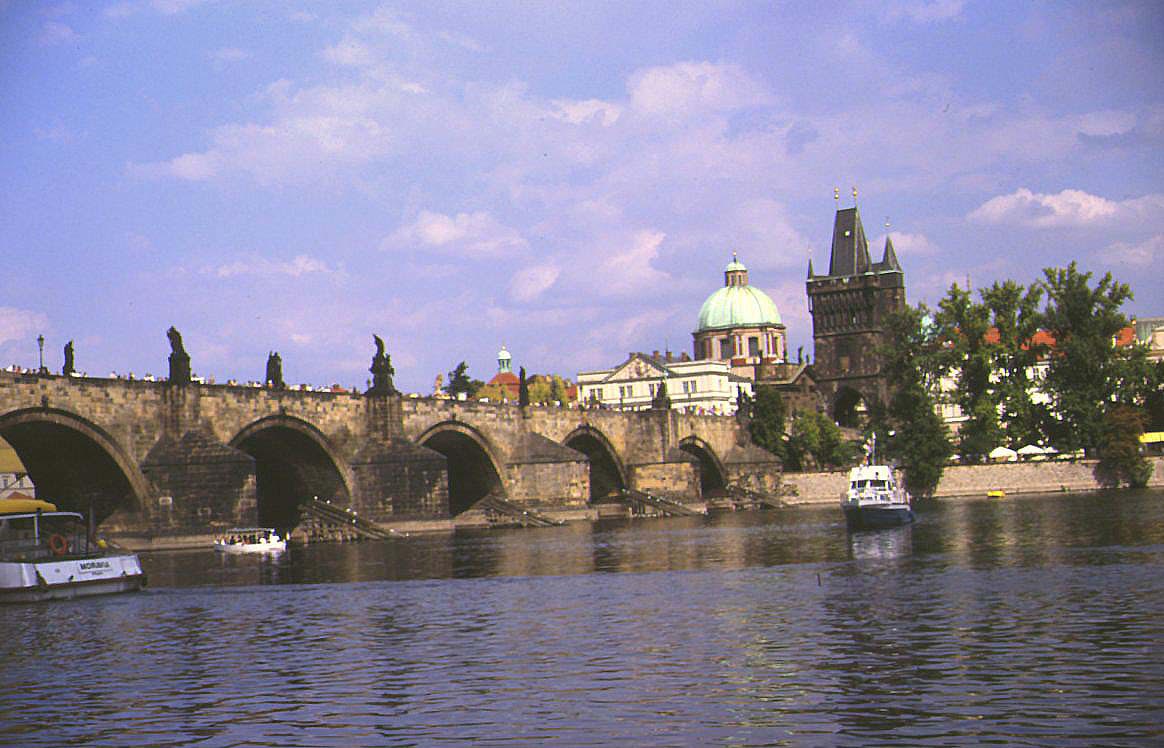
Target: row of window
627, 391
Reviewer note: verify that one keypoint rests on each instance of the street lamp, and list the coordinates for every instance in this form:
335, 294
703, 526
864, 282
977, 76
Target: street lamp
40, 343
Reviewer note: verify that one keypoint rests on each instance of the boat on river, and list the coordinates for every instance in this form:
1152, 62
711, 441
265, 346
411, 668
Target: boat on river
47, 554
875, 499
250, 540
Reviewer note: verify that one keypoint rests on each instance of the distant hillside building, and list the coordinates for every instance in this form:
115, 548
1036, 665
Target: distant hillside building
849, 306
740, 325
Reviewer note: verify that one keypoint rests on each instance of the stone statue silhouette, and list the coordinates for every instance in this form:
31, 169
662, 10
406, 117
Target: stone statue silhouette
661, 400
68, 369
382, 371
274, 378
179, 359
522, 389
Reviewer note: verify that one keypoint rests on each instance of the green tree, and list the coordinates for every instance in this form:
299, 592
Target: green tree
816, 442
459, 382
767, 421
557, 389
918, 440
967, 354
1015, 316
1086, 367
1120, 457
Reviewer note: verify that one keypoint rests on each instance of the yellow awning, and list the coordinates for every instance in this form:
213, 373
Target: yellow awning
1152, 437
18, 503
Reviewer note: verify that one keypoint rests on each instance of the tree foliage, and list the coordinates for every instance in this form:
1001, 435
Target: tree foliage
767, 420
1120, 458
459, 382
917, 437
968, 353
1015, 316
1086, 368
815, 442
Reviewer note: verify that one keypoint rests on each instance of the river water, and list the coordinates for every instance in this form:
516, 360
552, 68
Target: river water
1026, 621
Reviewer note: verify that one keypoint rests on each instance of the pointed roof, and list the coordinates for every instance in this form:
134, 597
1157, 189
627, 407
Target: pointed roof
889, 260
850, 253
810, 273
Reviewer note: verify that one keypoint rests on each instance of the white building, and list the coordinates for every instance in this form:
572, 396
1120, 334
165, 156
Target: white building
693, 386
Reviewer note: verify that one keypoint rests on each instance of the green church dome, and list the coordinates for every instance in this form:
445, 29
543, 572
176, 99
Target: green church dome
737, 304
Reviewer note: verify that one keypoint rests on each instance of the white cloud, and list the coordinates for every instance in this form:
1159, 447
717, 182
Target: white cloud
351, 53
261, 266
629, 268
926, 11
531, 282
20, 324
461, 40
55, 32
1106, 123
690, 88
590, 110
476, 234
228, 55
1067, 208
1139, 255
904, 244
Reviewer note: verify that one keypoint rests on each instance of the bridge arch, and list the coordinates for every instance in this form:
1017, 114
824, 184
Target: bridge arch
712, 476
473, 467
607, 474
294, 461
74, 462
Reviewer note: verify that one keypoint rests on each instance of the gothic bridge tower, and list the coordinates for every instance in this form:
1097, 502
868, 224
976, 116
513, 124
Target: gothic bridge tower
849, 306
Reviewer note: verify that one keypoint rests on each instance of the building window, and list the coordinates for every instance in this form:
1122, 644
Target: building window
726, 349
753, 346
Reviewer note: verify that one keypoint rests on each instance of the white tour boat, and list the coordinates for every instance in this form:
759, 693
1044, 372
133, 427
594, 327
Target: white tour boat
250, 540
875, 498
51, 555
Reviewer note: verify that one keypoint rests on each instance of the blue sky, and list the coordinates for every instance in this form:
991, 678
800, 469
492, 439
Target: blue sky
566, 179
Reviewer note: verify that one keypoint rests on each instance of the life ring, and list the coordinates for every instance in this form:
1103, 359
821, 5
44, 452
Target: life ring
58, 544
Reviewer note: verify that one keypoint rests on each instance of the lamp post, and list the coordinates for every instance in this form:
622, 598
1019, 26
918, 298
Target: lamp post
40, 344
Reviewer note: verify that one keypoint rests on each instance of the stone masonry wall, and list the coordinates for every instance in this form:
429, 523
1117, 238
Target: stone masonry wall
973, 480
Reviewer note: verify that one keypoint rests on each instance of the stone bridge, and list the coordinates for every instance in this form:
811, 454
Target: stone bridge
163, 464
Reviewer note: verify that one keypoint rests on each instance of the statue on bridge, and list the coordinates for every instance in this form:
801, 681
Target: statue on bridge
382, 371
179, 359
68, 369
274, 378
522, 389
661, 400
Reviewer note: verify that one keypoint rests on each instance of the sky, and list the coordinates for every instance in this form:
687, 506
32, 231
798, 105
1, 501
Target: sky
566, 179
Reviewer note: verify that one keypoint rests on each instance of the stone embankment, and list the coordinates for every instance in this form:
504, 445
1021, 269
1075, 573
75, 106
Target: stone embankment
970, 480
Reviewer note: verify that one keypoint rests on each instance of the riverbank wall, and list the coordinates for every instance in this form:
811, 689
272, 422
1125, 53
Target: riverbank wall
970, 480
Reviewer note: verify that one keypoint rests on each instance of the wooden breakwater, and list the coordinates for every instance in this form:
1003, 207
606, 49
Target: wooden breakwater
970, 480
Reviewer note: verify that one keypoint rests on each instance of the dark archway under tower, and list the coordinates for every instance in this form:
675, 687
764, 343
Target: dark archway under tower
849, 409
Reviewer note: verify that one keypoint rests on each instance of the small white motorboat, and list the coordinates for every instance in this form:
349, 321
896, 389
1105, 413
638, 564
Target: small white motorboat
875, 499
250, 540
50, 555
